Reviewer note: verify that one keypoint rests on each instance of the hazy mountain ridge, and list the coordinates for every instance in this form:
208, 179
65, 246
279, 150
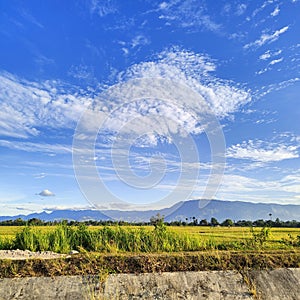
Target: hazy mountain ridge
200, 209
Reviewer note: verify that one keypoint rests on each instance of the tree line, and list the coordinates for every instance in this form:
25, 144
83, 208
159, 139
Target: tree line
192, 221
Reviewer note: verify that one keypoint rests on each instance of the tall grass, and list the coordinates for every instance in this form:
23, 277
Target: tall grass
107, 239
113, 239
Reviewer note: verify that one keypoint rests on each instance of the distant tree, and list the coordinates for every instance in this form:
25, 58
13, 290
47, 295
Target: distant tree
195, 221
278, 223
35, 221
259, 223
157, 220
19, 222
227, 222
244, 223
203, 222
159, 225
214, 222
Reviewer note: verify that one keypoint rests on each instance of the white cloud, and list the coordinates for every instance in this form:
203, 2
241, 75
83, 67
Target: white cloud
172, 107
267, 38
284, 190
265, 56
135, 43
291, 183
270, 64
188, 14
276, 61
139, 40
241, 8
268, 54
275, 12
27, 106
193, 70
40, 175
125, 51
169, 97
46, 193
262, 7
262, 151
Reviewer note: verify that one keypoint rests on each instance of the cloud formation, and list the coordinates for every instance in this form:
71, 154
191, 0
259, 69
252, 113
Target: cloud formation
262, 151
26, 106
195, 71
46, 193
267, 38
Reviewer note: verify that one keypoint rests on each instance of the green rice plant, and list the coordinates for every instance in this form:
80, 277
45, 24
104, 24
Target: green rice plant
43, 241
26, 239
60, 240
6, 243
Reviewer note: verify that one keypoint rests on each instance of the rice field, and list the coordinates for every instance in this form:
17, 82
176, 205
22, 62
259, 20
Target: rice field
146, 238
206, 232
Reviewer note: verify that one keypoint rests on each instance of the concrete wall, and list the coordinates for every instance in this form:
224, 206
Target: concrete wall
276, 284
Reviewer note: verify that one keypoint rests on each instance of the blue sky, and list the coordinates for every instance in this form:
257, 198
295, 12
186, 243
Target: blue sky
120, 104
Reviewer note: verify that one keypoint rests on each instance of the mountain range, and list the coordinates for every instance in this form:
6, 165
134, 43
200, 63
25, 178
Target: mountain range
199, 209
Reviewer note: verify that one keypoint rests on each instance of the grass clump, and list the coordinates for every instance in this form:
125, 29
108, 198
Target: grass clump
258, 239
108, 239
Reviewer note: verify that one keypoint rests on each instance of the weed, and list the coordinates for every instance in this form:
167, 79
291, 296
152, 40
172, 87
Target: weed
258, 239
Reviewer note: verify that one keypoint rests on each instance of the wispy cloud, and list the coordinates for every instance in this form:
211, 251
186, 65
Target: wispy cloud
30, 18
139, 40
188, 14
262, 7
269, 54
240, 9
284, 190
276, 61
275, 12
102, 8
135, 44
276, 87
36, 147
26, 106
270, 64
267, 38
262, 151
